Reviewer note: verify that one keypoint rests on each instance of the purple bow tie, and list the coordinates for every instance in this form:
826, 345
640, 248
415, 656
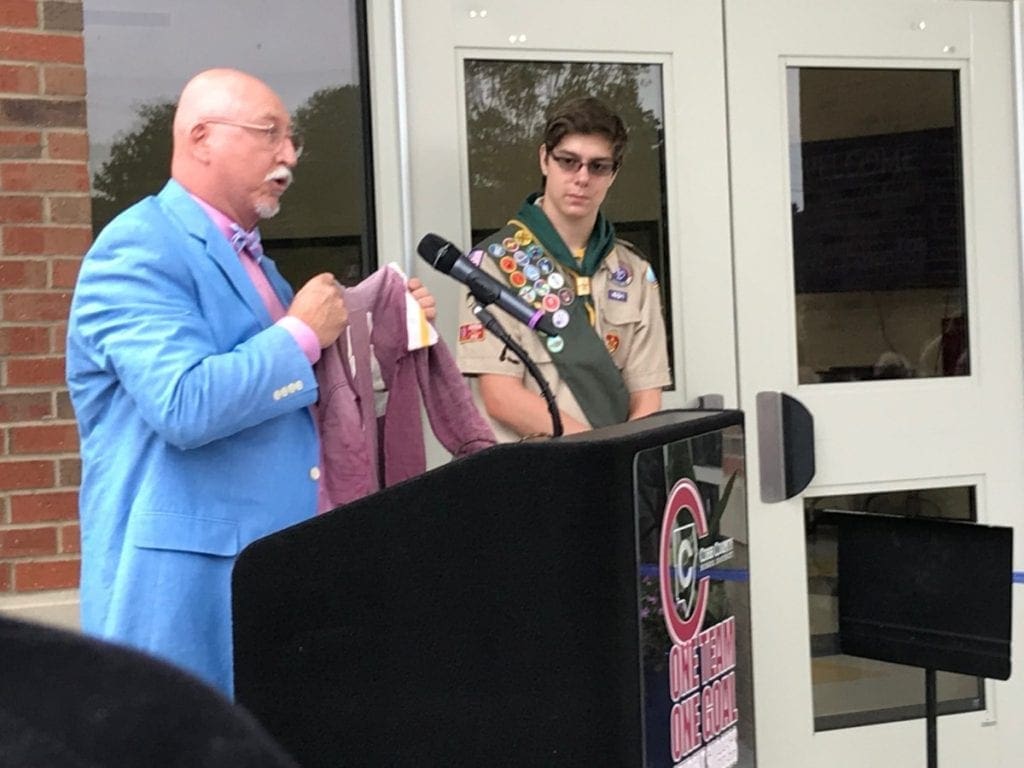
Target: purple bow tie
247, 241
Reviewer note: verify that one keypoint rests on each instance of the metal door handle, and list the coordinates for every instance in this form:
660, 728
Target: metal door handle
785, 439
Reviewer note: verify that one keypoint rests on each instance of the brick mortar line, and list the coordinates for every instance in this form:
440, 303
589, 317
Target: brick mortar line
44, 96
54, 422
13, 458
23, 390
43, 161
40, 31
38, 492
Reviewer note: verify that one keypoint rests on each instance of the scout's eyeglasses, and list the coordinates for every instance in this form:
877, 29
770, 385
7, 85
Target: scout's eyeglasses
571, 164
275, 134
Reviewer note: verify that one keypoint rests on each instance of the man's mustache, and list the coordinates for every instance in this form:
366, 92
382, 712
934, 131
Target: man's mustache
281, 173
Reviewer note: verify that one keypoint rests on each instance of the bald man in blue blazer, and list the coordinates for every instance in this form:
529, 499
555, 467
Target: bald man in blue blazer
189, 363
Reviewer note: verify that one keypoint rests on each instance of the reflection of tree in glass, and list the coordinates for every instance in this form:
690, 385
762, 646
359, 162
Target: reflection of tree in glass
139, 163
327, 196
506, 106
326, 199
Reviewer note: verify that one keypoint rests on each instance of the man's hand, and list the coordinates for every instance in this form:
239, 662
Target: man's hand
423, 297
319, 304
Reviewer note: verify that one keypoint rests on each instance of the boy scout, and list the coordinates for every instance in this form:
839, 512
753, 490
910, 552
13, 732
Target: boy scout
560, 253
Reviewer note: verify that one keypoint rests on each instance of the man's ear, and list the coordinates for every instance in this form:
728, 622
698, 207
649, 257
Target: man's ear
542, 158
198, 142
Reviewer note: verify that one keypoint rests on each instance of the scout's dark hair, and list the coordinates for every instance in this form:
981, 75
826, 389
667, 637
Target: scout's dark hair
586, 115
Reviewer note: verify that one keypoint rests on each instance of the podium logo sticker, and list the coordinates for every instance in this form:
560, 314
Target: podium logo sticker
684, 570
684, 591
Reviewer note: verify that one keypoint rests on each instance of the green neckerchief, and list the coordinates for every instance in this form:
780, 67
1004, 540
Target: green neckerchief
602, 238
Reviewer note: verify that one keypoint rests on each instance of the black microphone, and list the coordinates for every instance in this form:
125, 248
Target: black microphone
444, 256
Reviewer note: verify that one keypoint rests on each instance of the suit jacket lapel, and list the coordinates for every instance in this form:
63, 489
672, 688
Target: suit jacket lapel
277, 282
182, 207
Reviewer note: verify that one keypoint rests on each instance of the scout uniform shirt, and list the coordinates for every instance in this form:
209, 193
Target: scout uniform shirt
627, 318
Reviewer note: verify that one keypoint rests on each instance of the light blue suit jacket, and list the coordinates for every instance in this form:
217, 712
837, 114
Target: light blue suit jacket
196, 436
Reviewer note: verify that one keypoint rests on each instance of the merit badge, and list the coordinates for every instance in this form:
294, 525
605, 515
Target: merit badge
471, 332
535, 251
567, 296
495, 250
476, 257
542, 288
531, 272
551, 302
556, 281
611, 341
546, 266
650, 276
523, 237
618, 295
560, 319
622, 276
517, 279
510, 244
507, 264
522, 257
555, 344
528, 294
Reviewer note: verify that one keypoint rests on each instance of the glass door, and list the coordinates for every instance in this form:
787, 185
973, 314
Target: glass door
479, 78
877, 281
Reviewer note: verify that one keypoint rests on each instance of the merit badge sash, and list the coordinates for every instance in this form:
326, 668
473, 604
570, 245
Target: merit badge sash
579, 355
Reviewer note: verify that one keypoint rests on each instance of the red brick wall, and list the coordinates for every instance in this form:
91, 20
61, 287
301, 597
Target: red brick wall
44, 230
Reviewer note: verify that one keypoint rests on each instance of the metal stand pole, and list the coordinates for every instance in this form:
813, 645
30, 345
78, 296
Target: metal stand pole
931, 717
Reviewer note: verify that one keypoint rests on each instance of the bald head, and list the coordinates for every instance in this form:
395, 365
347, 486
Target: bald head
220, 140
220, 93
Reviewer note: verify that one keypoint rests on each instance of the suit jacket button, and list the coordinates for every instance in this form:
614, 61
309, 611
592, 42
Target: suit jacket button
314, 473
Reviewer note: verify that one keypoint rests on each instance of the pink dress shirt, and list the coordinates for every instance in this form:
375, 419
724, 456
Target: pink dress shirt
302, 333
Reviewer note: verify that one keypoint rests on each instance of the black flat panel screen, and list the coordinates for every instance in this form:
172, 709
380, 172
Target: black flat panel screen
928, 593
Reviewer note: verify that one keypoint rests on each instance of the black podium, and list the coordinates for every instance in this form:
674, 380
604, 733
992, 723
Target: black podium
509, 609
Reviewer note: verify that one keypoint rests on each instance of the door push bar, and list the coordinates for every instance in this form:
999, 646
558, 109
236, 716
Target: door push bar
785, 439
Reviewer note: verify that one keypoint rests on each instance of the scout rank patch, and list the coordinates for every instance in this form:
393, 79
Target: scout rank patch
622, 276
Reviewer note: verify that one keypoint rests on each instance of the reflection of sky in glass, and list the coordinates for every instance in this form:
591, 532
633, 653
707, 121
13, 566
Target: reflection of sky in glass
144, 51
650, 93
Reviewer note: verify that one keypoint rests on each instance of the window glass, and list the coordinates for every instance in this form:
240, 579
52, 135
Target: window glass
878, 227
139, 54
506, 105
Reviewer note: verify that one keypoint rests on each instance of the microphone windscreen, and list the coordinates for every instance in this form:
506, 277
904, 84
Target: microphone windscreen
439, 252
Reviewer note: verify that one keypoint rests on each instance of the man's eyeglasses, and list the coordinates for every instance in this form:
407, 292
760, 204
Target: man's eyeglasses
571, 164
274, 133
